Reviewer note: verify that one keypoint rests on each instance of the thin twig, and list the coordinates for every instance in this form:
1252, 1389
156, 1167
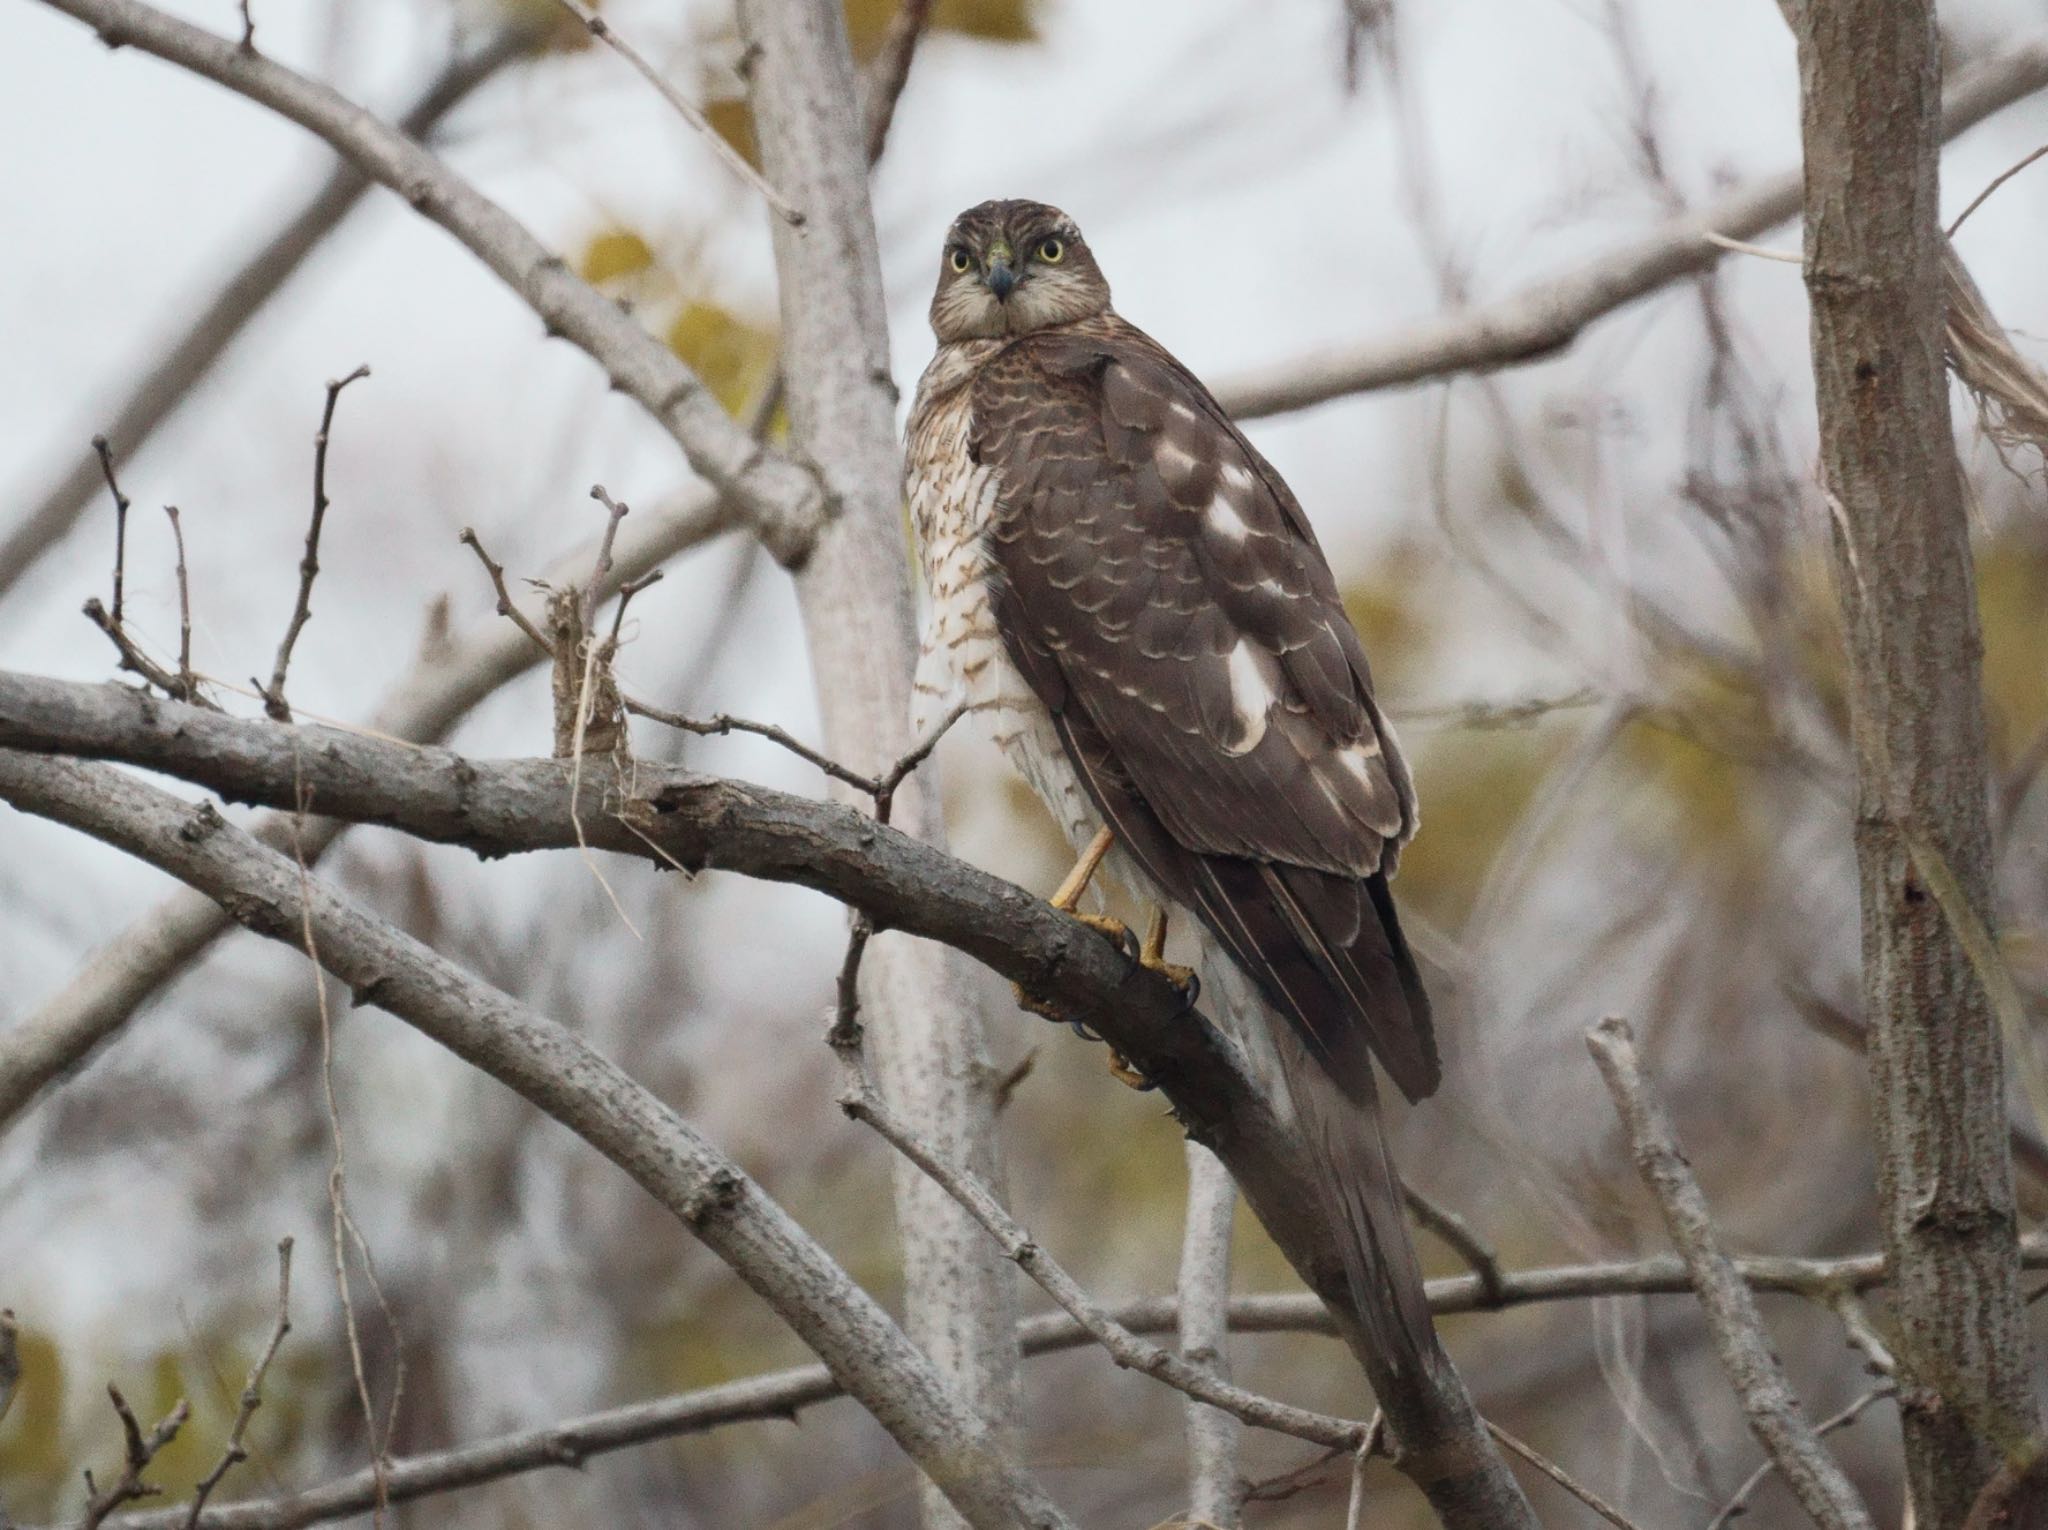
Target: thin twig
1463, 1240
1562, 1478
134, 660
187, 687
617, 510
1997, 181
884, 791
627, 591
860, 1101
1739, 1503
121, 502
506, 605
248, 42
1863, 1333
1760, 251
139, 1450
342, 1224
733, 160
309, 566
1739, 1337
252, 1390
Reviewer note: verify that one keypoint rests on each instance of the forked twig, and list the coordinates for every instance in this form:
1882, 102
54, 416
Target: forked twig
139, 1450
1739, 1503
252, 1390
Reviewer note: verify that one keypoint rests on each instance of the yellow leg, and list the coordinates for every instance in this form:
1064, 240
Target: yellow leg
1083, 873
1069, 894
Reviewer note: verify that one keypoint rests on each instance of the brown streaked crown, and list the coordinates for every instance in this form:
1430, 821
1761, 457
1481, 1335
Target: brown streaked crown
1012, 267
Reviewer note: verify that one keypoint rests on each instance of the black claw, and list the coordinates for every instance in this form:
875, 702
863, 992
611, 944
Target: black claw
1080, 1028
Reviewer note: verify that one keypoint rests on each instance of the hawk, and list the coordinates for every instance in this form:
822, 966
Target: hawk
1130, 594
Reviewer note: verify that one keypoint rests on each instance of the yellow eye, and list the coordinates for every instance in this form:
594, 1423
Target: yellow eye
958, 258
1052, 252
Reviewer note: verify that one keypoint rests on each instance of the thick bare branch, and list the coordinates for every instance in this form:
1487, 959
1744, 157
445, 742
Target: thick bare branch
446, 682
853, 589
1215, 1485
553, 1069
695, 821
1543, 319
424, 705
1739, 1335
1874, 277
778, 499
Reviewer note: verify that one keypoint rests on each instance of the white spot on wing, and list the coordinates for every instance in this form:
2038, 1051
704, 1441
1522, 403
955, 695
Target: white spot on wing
1237, 476
1224, 520
1173, 463
1251, 697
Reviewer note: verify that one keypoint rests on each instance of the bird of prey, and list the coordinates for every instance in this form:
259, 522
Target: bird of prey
1131, 595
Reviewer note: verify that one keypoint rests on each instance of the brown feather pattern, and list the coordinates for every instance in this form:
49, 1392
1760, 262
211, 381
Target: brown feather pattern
1158, 587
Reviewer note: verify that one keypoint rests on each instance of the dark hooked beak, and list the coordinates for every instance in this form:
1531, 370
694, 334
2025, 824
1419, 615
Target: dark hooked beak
1000, 276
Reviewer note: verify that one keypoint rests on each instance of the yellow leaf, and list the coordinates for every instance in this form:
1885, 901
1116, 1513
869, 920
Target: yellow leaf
615, 253
1006, 21
1010, 21
730, 356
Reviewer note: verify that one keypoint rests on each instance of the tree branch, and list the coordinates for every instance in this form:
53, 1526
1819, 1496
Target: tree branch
447, 680
1874, 276
553, 1069
778, 499
859, 1099
1215, 1485
1543, 319
1739, 1335
930, 1046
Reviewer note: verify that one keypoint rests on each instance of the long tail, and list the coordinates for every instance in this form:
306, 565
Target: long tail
1361, 1195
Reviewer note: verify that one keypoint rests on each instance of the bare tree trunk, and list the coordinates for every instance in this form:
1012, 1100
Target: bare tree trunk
923, 1021
1870, 88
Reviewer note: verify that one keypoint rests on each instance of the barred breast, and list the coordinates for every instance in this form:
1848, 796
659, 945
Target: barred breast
962, 658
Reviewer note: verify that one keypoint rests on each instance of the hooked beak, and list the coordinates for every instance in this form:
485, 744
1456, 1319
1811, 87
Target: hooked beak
1000, 275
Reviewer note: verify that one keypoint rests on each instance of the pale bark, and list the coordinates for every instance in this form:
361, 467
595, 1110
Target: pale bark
552, 1068
923, 1017
1869, 84
900, 883
1215, 1484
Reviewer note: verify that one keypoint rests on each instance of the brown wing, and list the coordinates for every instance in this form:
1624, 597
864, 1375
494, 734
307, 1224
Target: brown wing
1160, 589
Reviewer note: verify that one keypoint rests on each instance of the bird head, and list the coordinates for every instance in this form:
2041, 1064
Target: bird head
1012, 267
